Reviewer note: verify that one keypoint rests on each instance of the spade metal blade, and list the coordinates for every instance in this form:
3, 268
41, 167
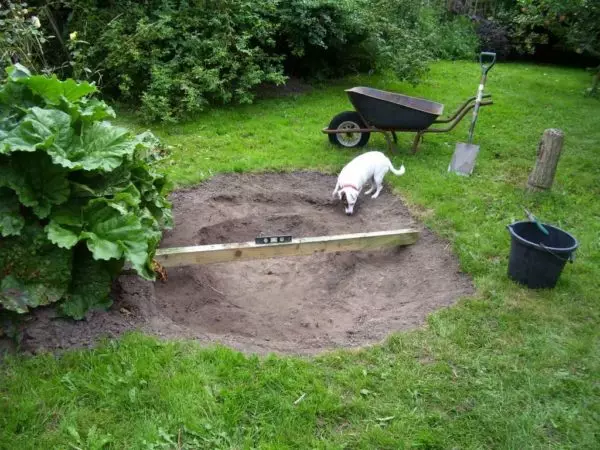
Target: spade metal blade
463, 160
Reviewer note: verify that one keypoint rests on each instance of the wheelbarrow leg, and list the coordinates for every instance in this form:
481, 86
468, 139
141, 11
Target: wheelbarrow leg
390, 144
418, 139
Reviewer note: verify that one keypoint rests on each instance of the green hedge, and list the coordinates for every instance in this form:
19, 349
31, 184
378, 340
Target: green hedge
174, 58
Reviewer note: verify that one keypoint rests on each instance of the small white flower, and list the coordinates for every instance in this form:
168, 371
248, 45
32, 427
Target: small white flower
73, 35
36, 22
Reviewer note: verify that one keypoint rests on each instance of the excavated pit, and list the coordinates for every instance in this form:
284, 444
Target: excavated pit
300, 304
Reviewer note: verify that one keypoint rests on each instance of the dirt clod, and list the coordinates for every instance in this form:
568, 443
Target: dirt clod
292, 305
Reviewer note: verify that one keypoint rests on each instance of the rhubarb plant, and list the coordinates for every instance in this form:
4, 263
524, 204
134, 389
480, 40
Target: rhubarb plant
79, 196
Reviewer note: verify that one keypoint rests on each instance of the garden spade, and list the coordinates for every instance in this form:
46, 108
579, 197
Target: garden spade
463, 160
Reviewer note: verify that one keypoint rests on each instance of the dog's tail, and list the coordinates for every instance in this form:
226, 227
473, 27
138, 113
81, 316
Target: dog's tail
398, 172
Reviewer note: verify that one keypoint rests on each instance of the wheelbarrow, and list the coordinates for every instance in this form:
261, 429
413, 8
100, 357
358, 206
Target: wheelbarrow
385, 112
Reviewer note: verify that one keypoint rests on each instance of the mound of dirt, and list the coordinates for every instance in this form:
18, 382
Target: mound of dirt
292, 305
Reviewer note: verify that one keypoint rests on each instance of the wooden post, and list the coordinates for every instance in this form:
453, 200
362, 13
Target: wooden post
549, 149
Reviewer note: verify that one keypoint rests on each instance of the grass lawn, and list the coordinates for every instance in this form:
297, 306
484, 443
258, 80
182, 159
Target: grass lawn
508, 368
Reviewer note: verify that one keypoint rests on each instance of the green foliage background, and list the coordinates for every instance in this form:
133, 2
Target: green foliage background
171, 59
175, 58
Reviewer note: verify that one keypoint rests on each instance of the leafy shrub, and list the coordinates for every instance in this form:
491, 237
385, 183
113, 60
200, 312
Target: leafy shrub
584, 33
569, 24
178, 57
323, 38
556, 26
409, 35
448, 37
21, 36
494, 37
397, 39
78, 196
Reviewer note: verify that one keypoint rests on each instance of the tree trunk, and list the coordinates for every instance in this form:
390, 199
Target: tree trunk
549, 149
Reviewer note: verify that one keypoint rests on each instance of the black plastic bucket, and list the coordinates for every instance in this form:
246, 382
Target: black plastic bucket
537, 259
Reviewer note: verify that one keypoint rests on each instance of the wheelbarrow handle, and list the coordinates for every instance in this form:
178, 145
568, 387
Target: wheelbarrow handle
486, 66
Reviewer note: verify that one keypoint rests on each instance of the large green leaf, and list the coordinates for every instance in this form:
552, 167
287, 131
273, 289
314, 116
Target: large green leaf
70, 213
87, 184
52, 90
11, 95
40, 129
66, 223
19, 296
33, 271
160, 209
39, 184
14, 100
90, 287
98, 146
17, 72
110, 234
153, 188
64, 237
105, 146
88, 110
149, 149
11, 220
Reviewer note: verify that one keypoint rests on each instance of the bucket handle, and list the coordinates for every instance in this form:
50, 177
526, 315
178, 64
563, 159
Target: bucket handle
570, 259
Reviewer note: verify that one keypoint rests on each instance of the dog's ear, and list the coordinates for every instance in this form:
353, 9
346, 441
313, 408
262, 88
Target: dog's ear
341, 195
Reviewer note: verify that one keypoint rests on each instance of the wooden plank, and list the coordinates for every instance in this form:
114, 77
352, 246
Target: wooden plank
219, 253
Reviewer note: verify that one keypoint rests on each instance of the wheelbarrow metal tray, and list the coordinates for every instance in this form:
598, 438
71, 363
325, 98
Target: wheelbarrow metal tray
391, 111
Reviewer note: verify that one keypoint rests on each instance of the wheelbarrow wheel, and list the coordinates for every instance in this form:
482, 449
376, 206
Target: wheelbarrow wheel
348, 120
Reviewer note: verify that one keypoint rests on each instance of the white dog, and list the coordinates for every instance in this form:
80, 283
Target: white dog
370, 166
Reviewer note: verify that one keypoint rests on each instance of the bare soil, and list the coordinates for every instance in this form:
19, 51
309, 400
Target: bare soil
289, 305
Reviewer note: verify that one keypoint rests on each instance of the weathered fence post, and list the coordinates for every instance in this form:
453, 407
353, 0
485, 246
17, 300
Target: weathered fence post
549, 149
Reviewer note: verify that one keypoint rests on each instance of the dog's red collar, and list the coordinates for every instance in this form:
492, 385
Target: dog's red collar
350, 186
